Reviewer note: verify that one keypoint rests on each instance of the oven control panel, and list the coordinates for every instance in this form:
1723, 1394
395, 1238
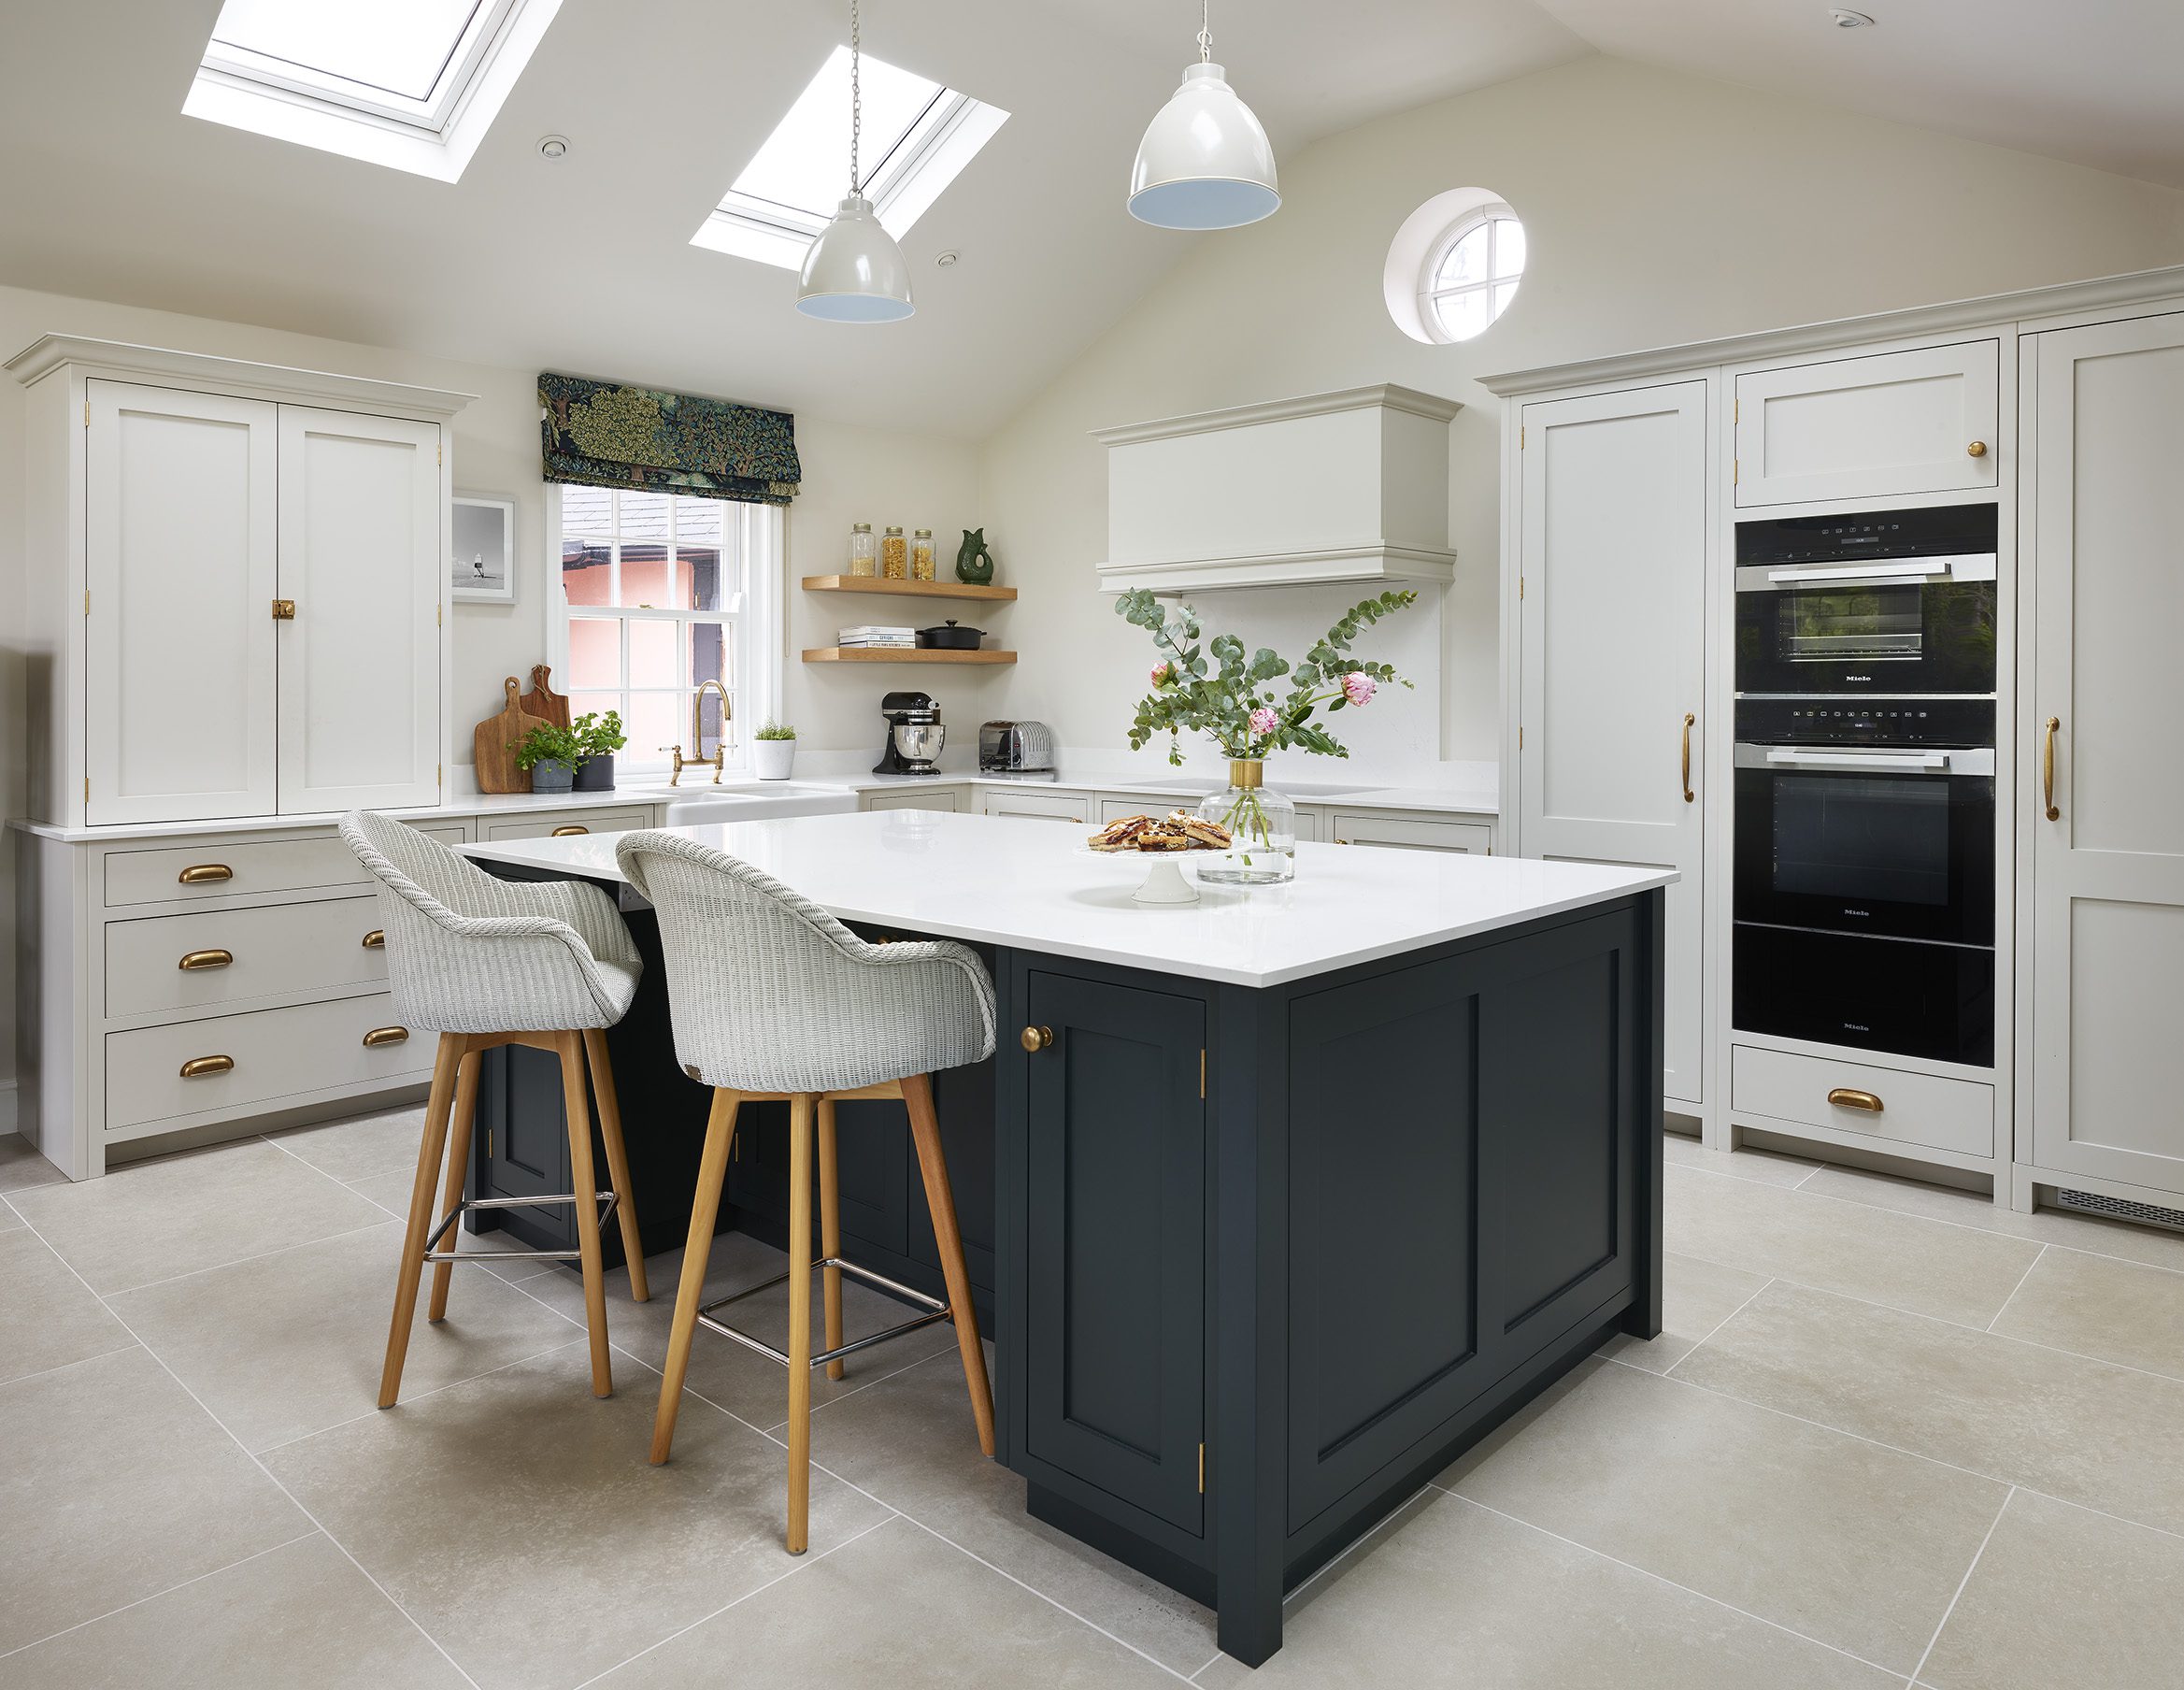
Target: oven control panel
1847, 537
1874, 722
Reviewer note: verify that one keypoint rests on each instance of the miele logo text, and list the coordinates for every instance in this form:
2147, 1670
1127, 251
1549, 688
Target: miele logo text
1856, 1026
1867, 913
1864, 678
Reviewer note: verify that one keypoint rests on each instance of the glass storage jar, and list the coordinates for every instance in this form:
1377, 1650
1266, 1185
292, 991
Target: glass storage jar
864, 556
922, 554
894, 555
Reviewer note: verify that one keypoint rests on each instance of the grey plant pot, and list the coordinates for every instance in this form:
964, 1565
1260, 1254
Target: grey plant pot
596, 774
548, 774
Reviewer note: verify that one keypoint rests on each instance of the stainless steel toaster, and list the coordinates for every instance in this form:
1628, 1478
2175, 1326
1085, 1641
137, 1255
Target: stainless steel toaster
1016, 747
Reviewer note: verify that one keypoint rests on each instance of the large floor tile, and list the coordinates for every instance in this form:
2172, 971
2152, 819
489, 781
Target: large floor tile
896, 1609
183, 1213
360, 1146
1769, 1167
21, 1167
2147, 1244
2063, 1596
910, 1440
517, 1518
113, 1486
1452, 1595
46, 1318
1766, 1513
2105, 1435
1860, 1251
1696, 1296
284, 1345
2098, 1306
301, 1614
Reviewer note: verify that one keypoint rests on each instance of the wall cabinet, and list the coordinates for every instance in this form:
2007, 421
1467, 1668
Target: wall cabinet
1925, 421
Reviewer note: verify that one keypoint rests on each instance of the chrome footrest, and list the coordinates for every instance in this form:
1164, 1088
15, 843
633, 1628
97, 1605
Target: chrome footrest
932, 1309
607, 1199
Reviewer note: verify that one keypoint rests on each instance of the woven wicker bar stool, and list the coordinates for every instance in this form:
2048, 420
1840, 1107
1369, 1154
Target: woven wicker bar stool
772, 999
485, 962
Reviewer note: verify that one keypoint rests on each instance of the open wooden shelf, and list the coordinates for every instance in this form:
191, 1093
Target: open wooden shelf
897, 654
907, 589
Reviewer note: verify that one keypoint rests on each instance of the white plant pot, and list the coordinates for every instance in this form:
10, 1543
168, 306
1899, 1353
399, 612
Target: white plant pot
773, 758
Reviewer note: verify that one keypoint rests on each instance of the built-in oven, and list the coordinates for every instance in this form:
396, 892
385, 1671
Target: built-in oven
1862, 880
1871, 602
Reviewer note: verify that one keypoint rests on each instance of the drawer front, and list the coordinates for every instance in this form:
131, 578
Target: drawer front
270, 1056
1406, 835
170, 873
176, 962
1043, 805
1914, 1108
949, 798
1115, 805
550, 822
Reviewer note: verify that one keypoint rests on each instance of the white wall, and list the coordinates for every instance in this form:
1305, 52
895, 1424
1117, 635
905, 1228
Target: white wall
1660, 208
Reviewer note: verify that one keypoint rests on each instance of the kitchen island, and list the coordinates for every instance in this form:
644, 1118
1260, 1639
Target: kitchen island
1296, 1191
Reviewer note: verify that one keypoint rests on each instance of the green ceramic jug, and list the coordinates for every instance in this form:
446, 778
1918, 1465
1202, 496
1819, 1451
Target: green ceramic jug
974, 564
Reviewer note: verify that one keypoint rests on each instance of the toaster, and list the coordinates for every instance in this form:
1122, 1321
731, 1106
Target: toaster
1016, 747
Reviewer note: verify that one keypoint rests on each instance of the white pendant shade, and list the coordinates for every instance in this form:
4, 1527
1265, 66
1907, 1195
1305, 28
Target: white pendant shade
1205, 162
854, 272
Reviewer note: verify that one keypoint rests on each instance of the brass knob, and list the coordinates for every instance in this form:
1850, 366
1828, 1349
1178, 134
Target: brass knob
1978, 449
284, 609
1036, 1038
562, 833
198, 1066
1844, 1097
199, 874
376, 939
379, 1036
194, 960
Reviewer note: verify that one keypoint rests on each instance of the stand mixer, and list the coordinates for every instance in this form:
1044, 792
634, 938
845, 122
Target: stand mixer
914, 736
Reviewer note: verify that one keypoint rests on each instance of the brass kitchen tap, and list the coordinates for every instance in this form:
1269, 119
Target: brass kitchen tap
697, 734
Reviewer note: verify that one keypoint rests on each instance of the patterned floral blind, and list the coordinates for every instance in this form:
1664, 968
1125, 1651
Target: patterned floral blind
599, 433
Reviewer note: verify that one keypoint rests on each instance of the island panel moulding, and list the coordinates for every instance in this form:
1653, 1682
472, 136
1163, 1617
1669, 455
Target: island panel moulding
1349, 486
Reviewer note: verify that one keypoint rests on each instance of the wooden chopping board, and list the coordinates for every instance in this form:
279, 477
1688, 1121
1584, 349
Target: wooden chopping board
543, 701
494, 742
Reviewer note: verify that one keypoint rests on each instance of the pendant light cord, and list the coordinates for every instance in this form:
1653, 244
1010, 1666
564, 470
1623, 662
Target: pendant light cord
856, 99
1205, 32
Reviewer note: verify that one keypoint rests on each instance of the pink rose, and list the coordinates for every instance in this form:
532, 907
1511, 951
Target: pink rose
1358, 688
1161, 672
1264, 720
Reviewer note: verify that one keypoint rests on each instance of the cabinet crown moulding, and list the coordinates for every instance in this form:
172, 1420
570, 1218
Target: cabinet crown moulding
1349, 487
162, 366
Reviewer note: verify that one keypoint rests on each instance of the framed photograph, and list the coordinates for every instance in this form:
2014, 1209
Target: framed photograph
483, 566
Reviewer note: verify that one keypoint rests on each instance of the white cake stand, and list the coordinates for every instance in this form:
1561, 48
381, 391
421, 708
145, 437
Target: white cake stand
1165, 883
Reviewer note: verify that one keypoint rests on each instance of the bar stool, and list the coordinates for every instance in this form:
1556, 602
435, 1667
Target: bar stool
772, 999
485, 962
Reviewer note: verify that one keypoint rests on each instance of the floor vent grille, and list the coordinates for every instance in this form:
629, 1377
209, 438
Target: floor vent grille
2121, 1209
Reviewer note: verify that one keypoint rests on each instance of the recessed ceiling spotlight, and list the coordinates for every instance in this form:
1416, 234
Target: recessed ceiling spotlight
946, 260
552, 145
1844, 18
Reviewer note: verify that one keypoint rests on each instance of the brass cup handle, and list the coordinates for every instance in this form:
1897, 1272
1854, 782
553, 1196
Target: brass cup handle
1844, 1097
1036, 1038
376, 939
1978, 449
194, 960
2048, 770
197, 1068
379, 1036
201, 874
1689, 722
562, 833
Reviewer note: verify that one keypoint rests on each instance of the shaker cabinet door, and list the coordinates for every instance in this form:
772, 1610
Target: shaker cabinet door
180, 531
361, 556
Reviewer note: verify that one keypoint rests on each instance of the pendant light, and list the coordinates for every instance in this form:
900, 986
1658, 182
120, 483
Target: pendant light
854, 272
1205, 162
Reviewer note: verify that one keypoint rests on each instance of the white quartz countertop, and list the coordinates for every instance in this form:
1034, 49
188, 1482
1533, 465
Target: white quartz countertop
1025, 883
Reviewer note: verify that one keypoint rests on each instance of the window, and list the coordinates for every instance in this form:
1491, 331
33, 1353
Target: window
412, 84
664, 593
1471, 276
918, 136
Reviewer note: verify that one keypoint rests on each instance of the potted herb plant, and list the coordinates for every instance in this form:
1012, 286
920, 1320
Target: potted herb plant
602, 737
774, 750
1252, 705
552, 753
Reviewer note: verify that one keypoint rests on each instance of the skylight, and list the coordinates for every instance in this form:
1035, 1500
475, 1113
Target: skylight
412, 84
917, 137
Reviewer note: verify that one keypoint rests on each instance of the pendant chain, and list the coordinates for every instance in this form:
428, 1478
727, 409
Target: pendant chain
856, 99
1204, 32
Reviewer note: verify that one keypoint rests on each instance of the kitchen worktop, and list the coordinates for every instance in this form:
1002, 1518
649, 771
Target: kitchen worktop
995, 880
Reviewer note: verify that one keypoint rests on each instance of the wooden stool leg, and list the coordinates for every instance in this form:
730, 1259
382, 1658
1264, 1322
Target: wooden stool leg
445, 1062
829, 1229
617, 1162
584, 1181
940, 1199
458, 1180
705, 1208
799, 1320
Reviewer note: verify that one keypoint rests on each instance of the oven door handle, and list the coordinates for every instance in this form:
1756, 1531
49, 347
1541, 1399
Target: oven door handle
1971, 566
1916, 762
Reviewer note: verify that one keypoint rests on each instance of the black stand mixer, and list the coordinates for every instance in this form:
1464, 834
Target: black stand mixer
914, 736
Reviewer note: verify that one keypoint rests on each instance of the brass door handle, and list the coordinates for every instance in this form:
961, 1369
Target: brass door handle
194, 960
1036, 1038
379, 1036
2048, 770
284, 609
1690, 721
199, 874
1978, 449
1844, 1097
198, 1066
562, 833
376, 939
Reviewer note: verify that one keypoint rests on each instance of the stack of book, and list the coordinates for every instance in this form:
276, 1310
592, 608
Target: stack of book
893, 639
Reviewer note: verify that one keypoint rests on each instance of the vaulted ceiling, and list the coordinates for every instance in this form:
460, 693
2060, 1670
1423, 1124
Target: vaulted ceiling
584, 264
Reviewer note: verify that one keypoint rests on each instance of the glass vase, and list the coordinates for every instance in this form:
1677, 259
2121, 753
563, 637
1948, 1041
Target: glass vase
1262, 831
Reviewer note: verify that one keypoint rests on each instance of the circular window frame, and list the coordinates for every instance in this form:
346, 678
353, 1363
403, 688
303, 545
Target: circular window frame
1420, 242
1430, 298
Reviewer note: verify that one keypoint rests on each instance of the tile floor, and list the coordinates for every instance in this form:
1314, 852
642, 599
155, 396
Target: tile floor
1890, 1436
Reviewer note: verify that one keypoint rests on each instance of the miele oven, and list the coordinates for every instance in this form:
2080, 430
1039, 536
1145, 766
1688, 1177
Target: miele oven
1868, 602
1863, 873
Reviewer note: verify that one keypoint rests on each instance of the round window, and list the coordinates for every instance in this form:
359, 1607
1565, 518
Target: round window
1471, 273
